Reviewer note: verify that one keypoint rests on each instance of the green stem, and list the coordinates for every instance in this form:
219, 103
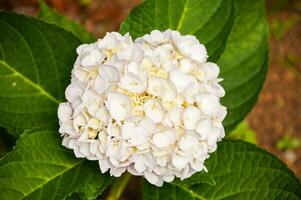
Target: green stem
119, 186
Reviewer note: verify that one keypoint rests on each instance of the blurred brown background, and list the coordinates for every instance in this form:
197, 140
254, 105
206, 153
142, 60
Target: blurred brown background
276, 119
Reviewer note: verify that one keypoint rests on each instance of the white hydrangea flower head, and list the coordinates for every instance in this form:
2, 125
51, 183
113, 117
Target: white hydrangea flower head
150, 106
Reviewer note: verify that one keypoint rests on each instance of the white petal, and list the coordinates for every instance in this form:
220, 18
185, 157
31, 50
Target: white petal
166, 121
162, 161
137, 138
72, 144
101, 84
186, 66
119, 106
148, 125
111, 41
155, 37
198, 165
191, 92
131, 53
203, 128
93, 59
179, 161
104, 165
154, 110
160, 171
65, 141
211, 70
191, 116
176, 115
93, 124
149, 161
90, 96
168, 91
102, 115
221, 114
117, 172
132, 83
84, 137
73, 91
208, 103
180, 80
190, 46
133, 68
198, 53
188, 141
109, 73
95, 105
67, 128
171, 133
139, 164
151, 177
117, 111
217, 89
113, 130
80, 48
94, 147
64, 111
133, 171
168, 178
85, 49
84, 148
161, 88
81, 75
161, 140
154, 86
78, 154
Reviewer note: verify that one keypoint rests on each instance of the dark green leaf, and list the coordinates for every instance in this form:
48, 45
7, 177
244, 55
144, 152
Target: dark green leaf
242, 171
7, 142
40, 168
54, 17
235, 33
244, 62
35, 63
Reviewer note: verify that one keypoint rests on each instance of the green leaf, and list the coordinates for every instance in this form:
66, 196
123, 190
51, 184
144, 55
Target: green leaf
243, 132
40, 168
241, 171
244, 62
54, 17
7, 142
210, 21
235, 33
288, 142
35, 63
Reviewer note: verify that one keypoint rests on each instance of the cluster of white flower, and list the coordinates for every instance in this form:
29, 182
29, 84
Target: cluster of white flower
150, 106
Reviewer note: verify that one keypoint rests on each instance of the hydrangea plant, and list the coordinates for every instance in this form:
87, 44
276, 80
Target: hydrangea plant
158, 100
150, 107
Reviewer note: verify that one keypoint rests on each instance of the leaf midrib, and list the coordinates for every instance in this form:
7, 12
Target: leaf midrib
36, 86
182, 15
28, 48
190, 192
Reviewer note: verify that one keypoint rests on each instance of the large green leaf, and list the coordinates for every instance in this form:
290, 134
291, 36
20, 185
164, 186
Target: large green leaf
40, 168
235, 33
54, 17
35, 63
242, 171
